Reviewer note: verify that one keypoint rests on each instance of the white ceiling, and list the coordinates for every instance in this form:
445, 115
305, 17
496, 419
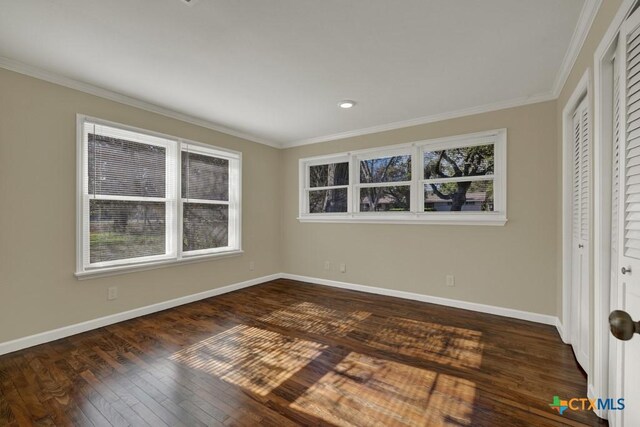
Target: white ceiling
276, 69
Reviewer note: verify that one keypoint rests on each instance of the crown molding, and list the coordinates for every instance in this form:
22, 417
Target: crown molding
587, 16
518, 102
38, 73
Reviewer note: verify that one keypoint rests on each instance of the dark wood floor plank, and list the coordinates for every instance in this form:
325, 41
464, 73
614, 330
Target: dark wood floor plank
198, 413
69, 411
286, 353
17, 410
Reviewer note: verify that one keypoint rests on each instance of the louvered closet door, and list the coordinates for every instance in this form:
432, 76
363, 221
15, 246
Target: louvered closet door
615, 169
615, 184
629, 213
616, 137
581, 204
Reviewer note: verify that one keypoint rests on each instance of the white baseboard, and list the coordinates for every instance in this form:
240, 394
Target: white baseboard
561, 331
591, 394
55, 334
482, 308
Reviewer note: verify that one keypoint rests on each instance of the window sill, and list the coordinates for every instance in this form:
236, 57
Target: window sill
435, 219
122, 269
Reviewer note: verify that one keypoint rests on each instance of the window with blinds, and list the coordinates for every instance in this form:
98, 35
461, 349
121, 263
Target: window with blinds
147, 198
205, 200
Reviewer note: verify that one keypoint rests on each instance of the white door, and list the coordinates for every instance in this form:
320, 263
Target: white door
627, 371
615, 220
580, 235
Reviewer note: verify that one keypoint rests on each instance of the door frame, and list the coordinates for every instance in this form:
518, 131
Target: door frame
598, 381
581, 91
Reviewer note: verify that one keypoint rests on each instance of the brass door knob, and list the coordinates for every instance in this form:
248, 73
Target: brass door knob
622, 325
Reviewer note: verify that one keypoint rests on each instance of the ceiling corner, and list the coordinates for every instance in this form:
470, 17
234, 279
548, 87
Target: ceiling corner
587, 16
28, 70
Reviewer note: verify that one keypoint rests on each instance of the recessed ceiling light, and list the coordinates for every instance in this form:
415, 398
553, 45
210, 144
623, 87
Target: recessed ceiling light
346, 104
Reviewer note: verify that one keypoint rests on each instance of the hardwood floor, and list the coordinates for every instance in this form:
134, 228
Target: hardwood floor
286, 353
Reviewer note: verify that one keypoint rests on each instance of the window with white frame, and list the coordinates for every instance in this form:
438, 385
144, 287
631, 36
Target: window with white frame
459, 179
148, 199
327, 186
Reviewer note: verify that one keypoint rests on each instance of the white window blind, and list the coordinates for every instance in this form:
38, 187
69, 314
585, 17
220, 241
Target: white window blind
130, 185
205, 200
130, 212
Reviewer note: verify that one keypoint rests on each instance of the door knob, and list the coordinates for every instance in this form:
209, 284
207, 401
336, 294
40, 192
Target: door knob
626, 270
622, 325
580, 246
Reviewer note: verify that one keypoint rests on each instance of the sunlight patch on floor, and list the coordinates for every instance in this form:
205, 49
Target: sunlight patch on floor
447, 345
252, 358
317, 319
363, 390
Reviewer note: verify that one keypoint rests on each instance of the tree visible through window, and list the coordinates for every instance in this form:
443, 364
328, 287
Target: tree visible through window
205, 199
393, 169
448, 180
330, 181
136, 187
127, 223
445, 171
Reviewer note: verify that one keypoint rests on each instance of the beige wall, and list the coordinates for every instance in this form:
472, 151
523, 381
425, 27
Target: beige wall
516, 266
584, 62
38, 291
512, 266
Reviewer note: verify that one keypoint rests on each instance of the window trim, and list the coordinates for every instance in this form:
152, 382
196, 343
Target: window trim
305, 182
498, 137
176, 255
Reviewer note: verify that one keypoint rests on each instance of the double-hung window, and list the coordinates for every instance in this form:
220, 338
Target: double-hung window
147, 199
384, 181
456, 180
326, 186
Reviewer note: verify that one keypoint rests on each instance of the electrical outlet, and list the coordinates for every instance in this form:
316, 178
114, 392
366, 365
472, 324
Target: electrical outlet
343, 268
327, 265
451, 281
252, 265
112, 293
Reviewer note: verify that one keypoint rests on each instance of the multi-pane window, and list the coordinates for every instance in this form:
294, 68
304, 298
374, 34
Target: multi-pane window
204, 201
146, 198
326, 187
451, 180
459, 179
385, 183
